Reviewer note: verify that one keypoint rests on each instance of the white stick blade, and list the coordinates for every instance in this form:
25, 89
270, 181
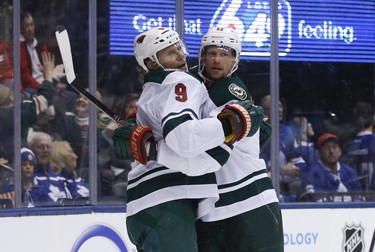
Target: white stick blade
63, 42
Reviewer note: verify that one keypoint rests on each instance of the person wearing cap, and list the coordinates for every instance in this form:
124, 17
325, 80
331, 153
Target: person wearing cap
32, 195
328, 174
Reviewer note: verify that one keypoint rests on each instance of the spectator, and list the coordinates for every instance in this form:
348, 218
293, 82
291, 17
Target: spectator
6, 174
359, 152
31, 49
64, 163
304, 133
6, 179
32, 195
113, 172
290, 159
78, 123
30, 109
51, 121
72, 127
6, 64
328, 174
41, 144
6, 96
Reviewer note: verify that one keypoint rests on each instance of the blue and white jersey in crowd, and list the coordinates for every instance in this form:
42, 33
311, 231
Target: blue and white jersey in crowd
77, 187
359, 153
319, 178
289, 151
33, 196
307, 151
55, 183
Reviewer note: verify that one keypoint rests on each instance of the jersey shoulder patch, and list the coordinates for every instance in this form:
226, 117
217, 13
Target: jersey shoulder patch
237, 91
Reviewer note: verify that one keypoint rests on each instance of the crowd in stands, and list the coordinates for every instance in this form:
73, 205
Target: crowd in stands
54, 129
321, 167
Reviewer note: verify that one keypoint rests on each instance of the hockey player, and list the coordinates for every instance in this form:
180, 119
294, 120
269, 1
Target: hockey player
163, 194
247, 216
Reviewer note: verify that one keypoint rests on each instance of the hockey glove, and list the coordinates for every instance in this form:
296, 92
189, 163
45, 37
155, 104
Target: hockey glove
142, 144
121, 137
236, 121
240, 120
264, 135
257, 115
134, 142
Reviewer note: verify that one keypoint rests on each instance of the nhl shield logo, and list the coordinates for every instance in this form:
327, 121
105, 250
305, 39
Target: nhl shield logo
353, 239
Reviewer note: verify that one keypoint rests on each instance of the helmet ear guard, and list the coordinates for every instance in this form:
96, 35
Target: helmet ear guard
149, 43
221, 37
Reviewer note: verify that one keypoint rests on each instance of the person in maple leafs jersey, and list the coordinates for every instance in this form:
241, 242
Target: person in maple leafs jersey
163, 194
247, 216
359, 151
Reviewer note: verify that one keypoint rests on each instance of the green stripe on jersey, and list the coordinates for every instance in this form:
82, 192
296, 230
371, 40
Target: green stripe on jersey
219, 154
186, 115
154, 170
244, 193
164, 181
256, 173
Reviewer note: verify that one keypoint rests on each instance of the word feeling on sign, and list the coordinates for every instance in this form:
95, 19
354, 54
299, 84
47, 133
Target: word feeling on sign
330, 30
326, 31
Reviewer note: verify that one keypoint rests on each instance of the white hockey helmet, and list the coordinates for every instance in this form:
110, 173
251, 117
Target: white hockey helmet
149, 43
226, 38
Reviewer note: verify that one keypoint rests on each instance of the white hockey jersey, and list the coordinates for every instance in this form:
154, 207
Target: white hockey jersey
176, 106
243, 181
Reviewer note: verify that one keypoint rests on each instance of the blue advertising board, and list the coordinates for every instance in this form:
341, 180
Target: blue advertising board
322, 31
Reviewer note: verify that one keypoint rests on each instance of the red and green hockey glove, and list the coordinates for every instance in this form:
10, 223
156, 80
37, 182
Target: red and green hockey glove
257, 115
240, 120
134, 142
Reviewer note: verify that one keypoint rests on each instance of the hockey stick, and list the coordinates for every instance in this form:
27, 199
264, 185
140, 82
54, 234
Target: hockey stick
63, 42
